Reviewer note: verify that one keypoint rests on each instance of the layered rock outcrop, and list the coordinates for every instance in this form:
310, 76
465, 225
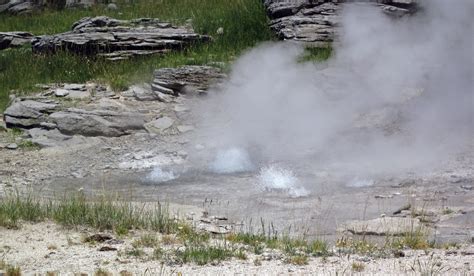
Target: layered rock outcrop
14, 39
119, 39
62, 111
317, 21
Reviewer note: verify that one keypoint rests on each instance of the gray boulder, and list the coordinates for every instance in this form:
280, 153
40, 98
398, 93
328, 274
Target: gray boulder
14, 39
27, 114
317, 22
97, 122
119, 39
186, 79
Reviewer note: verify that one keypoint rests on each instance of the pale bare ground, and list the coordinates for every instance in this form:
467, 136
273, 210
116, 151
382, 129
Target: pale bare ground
47, 247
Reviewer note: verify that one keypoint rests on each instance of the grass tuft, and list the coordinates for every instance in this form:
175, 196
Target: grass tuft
297, 260
203, 255
10, 270
357, 267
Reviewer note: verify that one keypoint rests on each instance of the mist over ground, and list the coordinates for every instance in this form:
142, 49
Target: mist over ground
396, 96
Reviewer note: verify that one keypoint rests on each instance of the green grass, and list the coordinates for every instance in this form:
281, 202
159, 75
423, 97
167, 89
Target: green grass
202, 255
244, 23
290, 246
101, 213
316, 54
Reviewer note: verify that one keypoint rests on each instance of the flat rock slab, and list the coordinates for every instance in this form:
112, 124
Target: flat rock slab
14, 39
28, 113
159, 125
119, 39
186, 79
97, 122
317, 22
386, 226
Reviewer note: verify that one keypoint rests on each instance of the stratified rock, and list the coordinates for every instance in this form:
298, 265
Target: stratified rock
97, 122
119, 39
27, 114
14, 39
15, 7
185, 79
317, 22
144, 92
385, 226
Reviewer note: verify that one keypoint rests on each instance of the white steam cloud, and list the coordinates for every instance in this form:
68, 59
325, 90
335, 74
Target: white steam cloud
273, 177
397, 95
232, 160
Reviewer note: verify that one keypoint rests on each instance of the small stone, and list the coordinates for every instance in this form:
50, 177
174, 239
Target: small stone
107, 248
383, 196
98, 238
220, 31
112, 7
74, 86
12, 146
61, 92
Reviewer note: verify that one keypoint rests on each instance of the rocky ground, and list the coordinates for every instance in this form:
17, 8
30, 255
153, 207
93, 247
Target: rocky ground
46, 247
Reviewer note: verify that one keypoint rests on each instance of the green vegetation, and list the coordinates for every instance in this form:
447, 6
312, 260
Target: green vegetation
291, 246
297, 260
202, 255
10, 270
316, 54
102, 272
102, 213
357, 267
146, 240
244, 23
415, 239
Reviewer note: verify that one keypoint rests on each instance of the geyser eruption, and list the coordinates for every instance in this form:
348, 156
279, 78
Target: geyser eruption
396, 96
158, 175
232, 160
273, 177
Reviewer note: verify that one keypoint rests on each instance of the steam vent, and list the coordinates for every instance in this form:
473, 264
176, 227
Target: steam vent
236, 137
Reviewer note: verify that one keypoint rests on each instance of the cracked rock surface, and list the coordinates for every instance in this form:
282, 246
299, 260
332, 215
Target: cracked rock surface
317, 21
119, 39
